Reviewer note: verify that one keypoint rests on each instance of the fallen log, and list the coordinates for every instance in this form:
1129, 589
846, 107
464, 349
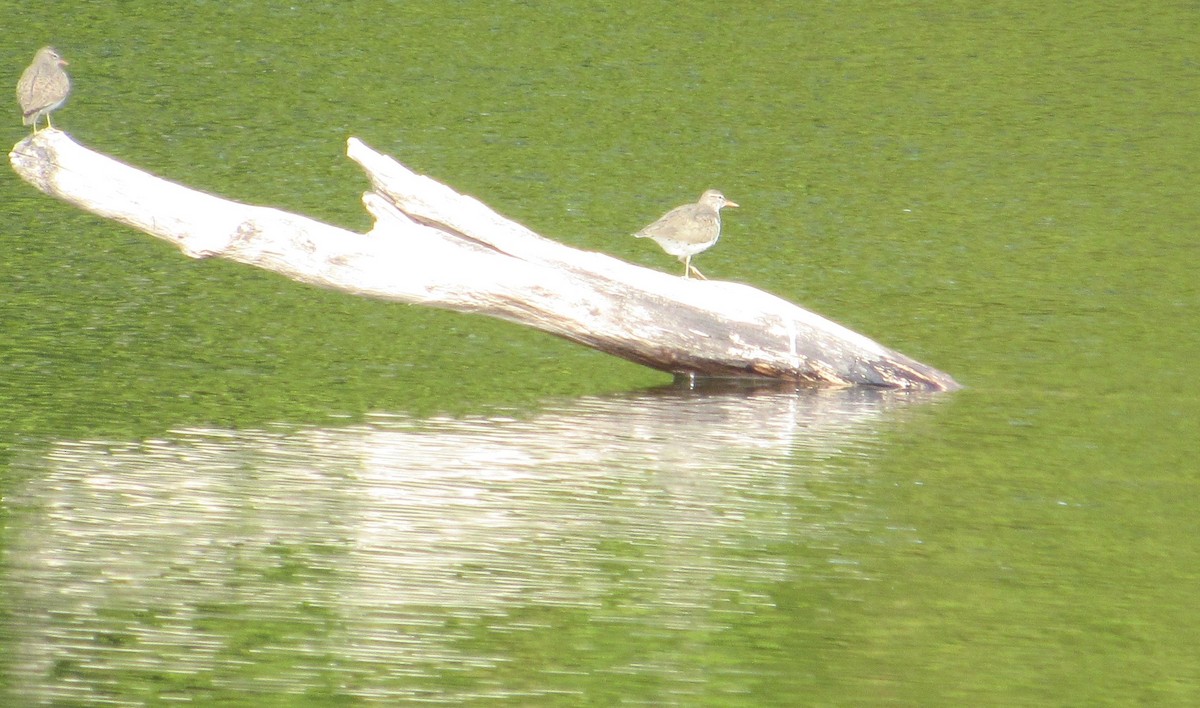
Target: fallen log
432, 246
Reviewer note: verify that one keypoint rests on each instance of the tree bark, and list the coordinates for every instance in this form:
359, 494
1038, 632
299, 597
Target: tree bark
432, 246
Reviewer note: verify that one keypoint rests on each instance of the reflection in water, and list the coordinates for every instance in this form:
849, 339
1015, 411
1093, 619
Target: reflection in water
404, 558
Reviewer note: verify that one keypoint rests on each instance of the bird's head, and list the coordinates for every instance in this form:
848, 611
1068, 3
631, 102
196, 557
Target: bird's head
713, 198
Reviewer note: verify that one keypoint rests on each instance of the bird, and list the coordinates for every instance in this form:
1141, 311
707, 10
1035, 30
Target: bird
43, 87
689, 229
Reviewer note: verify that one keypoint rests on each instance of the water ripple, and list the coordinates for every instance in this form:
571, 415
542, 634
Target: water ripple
397, 553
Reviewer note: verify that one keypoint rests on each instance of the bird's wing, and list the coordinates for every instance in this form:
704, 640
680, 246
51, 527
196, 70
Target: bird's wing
671, 222
27, 87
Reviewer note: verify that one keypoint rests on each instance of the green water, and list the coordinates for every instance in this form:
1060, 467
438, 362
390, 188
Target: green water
1006, 192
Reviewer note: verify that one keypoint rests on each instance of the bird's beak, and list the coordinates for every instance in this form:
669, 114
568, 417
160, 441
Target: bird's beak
732, 204
63, 62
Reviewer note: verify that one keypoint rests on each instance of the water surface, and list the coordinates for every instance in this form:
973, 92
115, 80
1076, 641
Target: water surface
217, 485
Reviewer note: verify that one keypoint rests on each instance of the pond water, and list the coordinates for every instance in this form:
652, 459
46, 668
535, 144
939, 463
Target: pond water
218, 486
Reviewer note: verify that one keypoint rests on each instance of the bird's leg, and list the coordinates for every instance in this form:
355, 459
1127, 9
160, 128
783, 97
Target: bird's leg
48, 123
688, 269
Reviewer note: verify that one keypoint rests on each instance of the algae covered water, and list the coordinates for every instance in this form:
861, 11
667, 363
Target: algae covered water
220, 486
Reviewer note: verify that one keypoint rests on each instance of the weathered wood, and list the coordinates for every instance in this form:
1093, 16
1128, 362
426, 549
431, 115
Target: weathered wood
435, 247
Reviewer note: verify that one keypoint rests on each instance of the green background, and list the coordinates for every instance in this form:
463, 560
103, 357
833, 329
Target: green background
1005, 191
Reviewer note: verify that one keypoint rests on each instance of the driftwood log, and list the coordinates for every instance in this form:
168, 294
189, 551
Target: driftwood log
432, 246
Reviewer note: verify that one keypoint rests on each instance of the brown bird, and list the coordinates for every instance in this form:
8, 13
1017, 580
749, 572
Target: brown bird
43, 87
689, 229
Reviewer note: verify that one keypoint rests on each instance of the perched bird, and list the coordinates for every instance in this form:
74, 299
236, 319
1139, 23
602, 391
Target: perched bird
689, 229
43, 87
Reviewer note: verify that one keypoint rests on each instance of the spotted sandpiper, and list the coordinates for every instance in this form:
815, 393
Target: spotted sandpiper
43, 87
689, 229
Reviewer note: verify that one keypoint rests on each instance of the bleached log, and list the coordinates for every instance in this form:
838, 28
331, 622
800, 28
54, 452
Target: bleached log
432, 246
